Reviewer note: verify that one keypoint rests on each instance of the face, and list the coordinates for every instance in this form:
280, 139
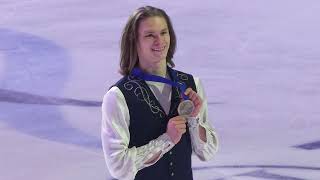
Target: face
153, 42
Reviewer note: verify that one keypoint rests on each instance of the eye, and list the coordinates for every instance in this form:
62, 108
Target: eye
164, 32
149, 35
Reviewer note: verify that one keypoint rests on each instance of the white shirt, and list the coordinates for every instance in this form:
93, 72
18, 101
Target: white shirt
124, 162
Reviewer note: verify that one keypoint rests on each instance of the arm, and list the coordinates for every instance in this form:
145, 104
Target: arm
124, 162
203, 136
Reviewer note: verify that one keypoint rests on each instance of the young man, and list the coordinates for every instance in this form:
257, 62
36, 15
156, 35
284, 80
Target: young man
143, 135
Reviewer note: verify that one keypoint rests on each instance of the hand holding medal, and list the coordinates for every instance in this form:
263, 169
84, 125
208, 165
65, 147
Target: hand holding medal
191, 104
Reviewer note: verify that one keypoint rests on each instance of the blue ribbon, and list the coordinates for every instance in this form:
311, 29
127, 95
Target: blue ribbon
137, 72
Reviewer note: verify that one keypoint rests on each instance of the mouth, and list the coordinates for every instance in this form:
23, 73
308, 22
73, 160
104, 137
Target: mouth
159, 49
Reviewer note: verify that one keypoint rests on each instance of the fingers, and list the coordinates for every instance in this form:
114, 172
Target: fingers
193, 96
187, 91
181, 126
196, 99
179, 120
179, 123
182, 131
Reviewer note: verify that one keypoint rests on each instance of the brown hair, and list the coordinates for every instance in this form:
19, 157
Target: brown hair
128, 55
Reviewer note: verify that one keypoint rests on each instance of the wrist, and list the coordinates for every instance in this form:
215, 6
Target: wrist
167, 138
193, 122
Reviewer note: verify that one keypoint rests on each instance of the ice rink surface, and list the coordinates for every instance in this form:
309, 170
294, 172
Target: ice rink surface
258, 60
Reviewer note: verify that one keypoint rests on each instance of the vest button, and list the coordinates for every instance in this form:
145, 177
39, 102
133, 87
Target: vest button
171, 163
170, 152
172, 174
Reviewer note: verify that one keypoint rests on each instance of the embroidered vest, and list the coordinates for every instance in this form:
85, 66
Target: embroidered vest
148, 121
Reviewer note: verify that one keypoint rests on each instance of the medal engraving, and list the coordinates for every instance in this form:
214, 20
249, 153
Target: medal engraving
185, 108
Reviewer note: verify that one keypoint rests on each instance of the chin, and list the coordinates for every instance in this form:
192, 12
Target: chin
160, 57
160, 60
158, 63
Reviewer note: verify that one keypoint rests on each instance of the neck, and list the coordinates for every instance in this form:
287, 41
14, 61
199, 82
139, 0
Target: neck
160, 70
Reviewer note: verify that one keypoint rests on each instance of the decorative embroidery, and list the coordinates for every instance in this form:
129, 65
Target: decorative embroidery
182, 76
142, 94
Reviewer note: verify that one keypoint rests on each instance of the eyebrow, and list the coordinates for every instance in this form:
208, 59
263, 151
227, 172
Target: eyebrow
150, 31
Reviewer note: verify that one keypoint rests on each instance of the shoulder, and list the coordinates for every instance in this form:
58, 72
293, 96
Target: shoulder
113, 95
121, 81
115, 89
187, 76
182, 74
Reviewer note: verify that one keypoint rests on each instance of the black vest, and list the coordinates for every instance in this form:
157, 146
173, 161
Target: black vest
148, 121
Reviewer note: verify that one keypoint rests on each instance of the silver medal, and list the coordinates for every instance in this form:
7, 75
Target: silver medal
185, 108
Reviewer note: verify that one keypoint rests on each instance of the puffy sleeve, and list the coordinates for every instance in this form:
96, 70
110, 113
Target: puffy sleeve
204, 150
124, 162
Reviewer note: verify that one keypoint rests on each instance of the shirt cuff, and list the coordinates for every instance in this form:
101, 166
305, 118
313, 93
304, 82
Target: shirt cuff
162, 144
193, 124
167, 143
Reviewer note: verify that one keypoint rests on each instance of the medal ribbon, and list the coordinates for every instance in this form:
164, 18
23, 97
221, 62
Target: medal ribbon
137, 72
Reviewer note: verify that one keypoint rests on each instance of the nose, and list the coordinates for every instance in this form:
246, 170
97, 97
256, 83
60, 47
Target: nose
158, 39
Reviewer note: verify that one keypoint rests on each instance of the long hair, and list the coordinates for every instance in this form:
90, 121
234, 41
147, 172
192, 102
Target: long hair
129, 55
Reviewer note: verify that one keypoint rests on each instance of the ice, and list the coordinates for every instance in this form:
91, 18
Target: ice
258, 60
